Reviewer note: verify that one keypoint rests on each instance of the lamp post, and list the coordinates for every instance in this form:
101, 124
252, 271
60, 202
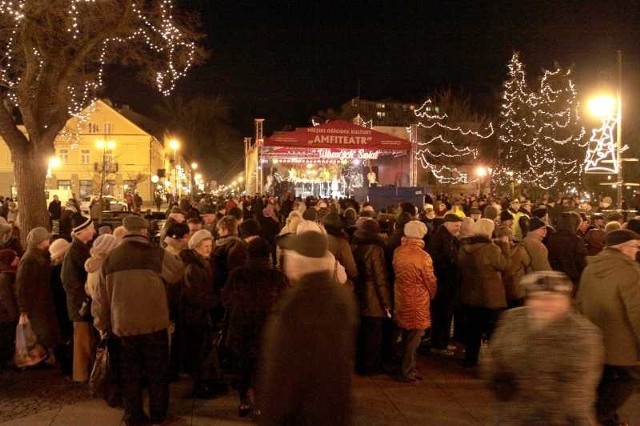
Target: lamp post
154, 180
174, 144
194, 167
106, 147
481, 172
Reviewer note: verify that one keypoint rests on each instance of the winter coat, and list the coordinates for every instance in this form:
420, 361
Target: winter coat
537, 252
12, 243
532, 387
341, 250
8, 304
228, 254
197, 297
609, 296
519, 266
444, 248
568, 254
74, 278
93, 266
372, 287
249, 297
307, 356
481, 264
415, 285
35, 297
131, 298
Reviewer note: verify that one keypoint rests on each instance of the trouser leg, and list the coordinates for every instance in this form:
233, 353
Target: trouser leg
390, 335
156, 360
616, 386
441, 316
130, 367
410, 343
473, 334
370, 343
82, 350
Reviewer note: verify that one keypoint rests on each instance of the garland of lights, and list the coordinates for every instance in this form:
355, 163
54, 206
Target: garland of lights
437, 150
601, 153
164, 39
544, 143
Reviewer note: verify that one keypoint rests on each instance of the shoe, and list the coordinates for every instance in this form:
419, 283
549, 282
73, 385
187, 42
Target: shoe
404, 379
442, 352
244, 410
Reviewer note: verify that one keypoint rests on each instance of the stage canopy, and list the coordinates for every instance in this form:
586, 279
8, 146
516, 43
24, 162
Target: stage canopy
335, 141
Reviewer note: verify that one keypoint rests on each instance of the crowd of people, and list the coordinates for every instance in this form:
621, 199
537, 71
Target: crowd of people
282, 298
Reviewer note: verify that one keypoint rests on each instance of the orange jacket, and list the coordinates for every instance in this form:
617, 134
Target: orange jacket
415, 285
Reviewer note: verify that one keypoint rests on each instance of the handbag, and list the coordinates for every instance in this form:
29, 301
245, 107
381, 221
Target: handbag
28, 351
103, 381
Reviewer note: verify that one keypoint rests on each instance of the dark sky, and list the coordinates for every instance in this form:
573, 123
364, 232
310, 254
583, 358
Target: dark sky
285, 60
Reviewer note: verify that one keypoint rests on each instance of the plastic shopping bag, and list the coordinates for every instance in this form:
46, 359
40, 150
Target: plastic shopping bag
103, 382
28, 351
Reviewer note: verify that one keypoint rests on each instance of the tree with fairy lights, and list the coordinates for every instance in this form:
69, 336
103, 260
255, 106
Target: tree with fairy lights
542, 143
53, 64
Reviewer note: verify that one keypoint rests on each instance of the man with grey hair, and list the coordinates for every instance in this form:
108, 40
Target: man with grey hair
131, 302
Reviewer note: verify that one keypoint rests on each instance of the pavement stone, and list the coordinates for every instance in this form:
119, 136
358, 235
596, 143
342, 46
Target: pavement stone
448, 395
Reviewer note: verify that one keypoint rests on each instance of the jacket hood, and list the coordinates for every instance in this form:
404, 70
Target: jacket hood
474, 243
607, 262
361, 237
94, 263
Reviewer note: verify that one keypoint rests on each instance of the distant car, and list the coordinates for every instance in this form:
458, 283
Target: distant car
115, 205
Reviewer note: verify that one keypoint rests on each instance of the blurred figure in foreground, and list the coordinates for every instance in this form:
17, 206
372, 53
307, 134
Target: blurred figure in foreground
308, 343
545, 358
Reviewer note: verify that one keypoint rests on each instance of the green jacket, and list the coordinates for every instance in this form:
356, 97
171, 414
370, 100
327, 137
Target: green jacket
609, 296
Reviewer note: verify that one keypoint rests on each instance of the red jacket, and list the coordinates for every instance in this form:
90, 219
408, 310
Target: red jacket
415, 285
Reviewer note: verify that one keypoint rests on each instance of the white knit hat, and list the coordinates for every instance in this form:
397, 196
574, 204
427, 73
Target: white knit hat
415, 229
58, 248
198, 237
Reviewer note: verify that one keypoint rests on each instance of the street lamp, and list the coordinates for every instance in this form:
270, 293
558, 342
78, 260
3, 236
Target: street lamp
481, 172
154, 180
106, 147
174, 144
194, 167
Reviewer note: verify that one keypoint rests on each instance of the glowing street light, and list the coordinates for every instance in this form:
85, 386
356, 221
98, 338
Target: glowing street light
603, 106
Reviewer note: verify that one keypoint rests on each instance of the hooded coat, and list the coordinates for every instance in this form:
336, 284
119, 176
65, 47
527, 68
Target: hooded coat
609, 296
35, 297
415, 285
372, 287
481, 264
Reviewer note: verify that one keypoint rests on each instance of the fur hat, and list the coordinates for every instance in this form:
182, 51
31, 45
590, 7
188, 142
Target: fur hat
415, 229
484, 227
198, 237
370, 226
58, 248
259, 248
332, 222
620, 236
547, 281
37, 235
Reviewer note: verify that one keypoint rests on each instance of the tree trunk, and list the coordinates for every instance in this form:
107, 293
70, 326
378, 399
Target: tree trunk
30, 170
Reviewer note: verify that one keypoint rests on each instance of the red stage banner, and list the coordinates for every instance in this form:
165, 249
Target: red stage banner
337, 134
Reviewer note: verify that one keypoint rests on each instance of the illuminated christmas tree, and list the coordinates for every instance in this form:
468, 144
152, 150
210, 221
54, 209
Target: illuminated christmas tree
542, 142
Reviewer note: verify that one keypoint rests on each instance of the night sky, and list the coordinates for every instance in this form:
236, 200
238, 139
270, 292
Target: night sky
285, 60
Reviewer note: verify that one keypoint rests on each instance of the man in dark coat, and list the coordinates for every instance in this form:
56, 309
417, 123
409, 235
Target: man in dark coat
567, 251
306, 371
444, 250
55, 208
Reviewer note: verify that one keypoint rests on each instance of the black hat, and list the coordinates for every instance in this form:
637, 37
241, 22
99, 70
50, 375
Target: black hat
177, 230
620, 236
259, 248
249, 228
450, 217
206, 210
536, 223
310, 214
540, 212
505, 215
332, 222
308, 244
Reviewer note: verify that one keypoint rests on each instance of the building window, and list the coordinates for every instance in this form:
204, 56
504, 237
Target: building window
108, 160
86, 188
64, 184
94, 128
108, 128
85, 156
64, 156
381, 114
